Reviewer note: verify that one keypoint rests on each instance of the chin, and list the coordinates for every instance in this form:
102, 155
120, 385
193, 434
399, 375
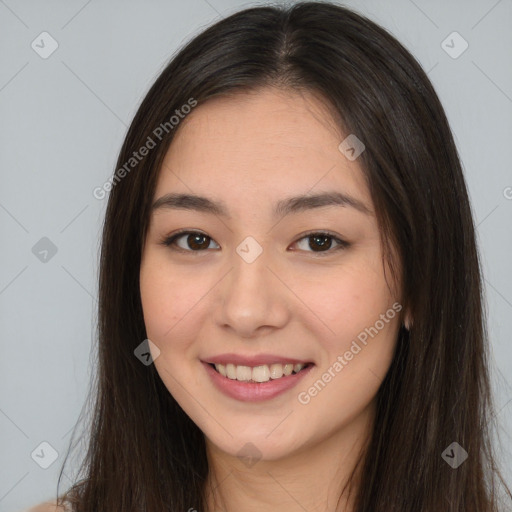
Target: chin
255, 441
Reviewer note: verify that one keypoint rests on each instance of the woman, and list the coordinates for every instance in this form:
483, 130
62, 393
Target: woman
290, 293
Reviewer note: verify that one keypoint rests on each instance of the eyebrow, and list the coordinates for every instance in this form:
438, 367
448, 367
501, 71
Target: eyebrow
283, 207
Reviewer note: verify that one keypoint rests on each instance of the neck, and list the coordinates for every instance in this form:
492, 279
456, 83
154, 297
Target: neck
321, 477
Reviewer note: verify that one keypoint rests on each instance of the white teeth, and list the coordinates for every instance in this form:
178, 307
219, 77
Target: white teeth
231, 371
243, 373
262, 373
276, 371
288, 369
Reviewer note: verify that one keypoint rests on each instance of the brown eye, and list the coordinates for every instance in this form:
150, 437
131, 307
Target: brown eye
198, 241
322, 242
194, 241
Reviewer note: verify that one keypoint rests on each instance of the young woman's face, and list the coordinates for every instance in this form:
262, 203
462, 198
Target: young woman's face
258, 284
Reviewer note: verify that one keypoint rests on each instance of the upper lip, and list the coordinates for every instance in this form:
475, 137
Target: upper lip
254, 360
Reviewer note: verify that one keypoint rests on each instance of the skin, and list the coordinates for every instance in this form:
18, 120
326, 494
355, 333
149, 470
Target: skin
251, 150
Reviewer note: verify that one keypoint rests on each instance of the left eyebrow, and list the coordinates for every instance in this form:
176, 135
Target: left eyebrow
283, 207
306, 202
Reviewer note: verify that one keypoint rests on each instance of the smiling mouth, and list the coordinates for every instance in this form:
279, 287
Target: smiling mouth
258, 374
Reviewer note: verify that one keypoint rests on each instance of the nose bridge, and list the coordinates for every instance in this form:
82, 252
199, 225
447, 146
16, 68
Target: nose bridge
251, 295
250, 275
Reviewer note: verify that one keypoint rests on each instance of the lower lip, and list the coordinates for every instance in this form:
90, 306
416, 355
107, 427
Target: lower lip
254, 391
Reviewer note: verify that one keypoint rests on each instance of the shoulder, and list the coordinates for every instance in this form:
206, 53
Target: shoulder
46, 507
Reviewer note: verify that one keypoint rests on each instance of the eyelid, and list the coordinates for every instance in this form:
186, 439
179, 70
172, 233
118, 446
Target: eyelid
169, 241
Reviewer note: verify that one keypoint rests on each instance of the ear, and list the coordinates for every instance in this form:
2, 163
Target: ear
408, 321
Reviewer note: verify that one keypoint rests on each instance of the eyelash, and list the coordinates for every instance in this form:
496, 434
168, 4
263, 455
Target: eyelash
342, 244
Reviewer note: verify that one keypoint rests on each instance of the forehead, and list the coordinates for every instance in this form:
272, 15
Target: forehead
259, 145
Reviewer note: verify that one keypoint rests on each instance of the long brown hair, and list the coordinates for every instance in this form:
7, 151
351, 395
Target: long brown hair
143, 451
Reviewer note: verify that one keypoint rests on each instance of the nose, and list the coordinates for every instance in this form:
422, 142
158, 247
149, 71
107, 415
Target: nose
252, 299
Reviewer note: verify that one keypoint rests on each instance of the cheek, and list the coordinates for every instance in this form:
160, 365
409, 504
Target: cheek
357, 332
349, 299
158, 305
353, 366
169, 303
167, 299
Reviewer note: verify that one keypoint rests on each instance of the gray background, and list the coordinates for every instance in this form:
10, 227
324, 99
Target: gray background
63, 120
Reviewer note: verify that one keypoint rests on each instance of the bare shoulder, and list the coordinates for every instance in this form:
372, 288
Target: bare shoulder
47, 507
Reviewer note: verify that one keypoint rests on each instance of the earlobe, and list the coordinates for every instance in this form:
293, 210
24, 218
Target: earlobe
407, 321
